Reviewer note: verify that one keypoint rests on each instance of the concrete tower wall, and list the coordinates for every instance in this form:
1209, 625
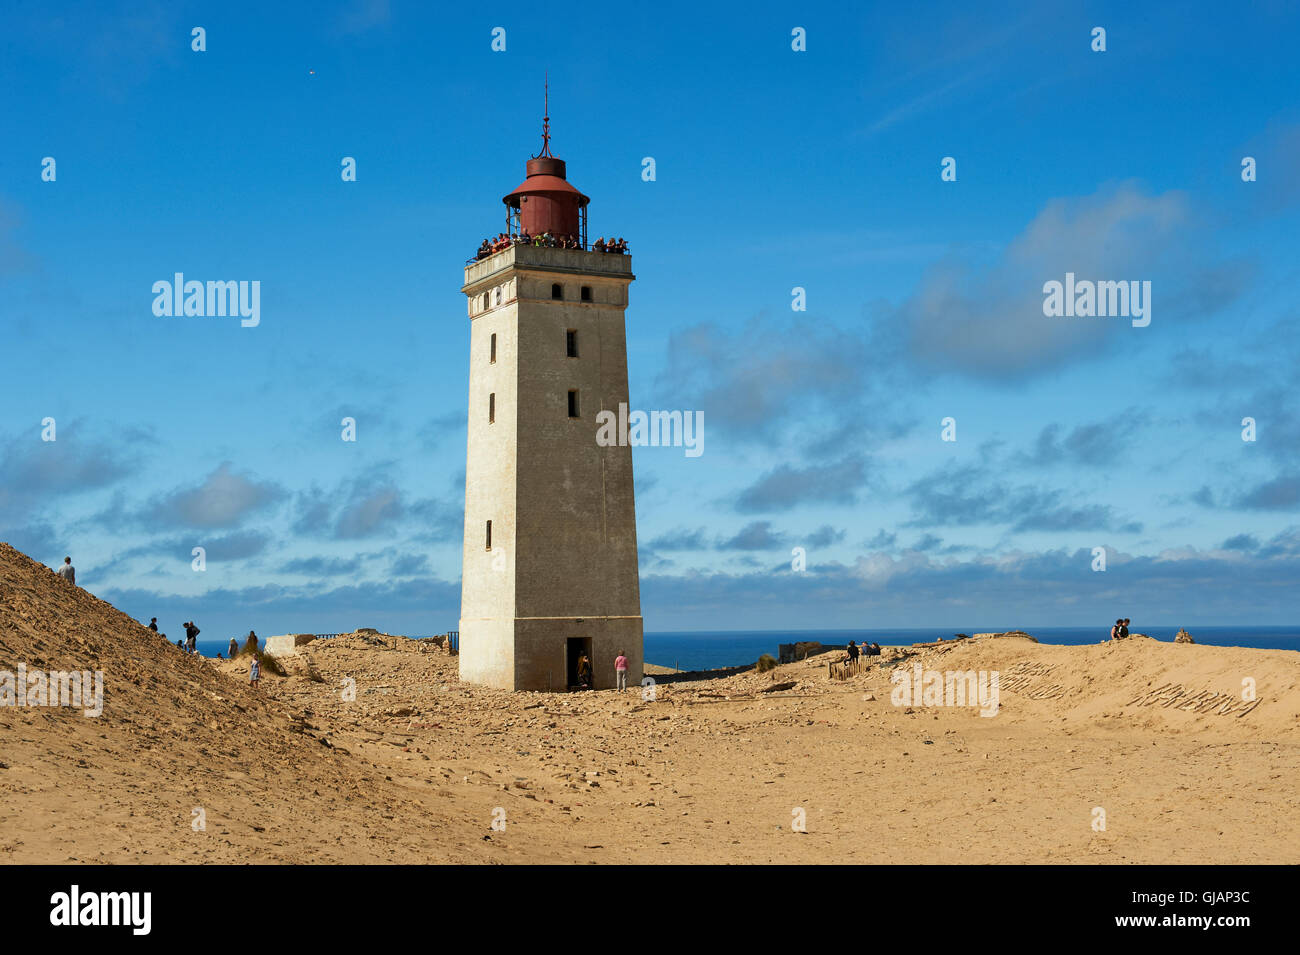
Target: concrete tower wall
488, 576
566, 505
577, 527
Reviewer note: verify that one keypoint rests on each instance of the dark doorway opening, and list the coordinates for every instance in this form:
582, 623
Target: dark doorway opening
575, 649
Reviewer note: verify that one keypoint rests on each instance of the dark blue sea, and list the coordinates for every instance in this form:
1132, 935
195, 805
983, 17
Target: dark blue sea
706, 650
712, 649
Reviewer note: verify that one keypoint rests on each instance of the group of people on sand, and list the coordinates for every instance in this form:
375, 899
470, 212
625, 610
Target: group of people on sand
190, 645
865, 650
191, 642
1120, 630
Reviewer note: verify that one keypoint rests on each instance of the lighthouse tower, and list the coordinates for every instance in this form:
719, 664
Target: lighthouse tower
550, 559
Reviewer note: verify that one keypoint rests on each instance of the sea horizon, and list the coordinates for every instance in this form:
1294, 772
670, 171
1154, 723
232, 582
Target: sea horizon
717, 649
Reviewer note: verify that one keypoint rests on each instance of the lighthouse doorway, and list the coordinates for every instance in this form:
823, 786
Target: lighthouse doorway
575, 649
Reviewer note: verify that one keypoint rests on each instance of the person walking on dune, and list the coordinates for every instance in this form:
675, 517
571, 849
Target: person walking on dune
620, 670
233, 649
254, 672
67, 571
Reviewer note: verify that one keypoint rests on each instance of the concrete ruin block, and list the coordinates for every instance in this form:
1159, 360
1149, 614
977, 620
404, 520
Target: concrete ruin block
287, 643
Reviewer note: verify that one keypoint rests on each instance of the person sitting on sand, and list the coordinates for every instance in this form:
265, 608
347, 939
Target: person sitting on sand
1123, 630
1114, 631
153, 624
254, 672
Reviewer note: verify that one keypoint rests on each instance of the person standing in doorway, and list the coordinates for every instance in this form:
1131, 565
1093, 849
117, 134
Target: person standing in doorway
620, 669
584, 672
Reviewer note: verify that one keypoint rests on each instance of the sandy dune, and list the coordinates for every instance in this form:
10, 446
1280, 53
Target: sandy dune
418, 766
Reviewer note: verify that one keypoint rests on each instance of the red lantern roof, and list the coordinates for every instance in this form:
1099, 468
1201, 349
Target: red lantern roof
542, 184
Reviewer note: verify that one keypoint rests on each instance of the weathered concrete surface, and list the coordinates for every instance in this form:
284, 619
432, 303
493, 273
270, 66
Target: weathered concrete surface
286, 643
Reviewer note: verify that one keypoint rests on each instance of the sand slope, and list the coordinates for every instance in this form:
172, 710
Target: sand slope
175, 734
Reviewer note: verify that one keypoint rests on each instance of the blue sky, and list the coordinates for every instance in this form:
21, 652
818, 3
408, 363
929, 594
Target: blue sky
774, 169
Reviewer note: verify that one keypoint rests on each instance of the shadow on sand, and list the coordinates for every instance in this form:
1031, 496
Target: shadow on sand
690, 676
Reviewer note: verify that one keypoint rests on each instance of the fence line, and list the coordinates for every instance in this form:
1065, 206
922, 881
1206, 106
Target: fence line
844, 669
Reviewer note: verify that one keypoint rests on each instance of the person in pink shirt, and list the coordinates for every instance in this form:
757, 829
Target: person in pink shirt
620, 670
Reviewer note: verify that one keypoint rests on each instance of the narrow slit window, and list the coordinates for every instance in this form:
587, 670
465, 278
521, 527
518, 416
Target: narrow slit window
485, 301
492, 350
571, 343
557, 290
489, 535
573, 404
492, 408
586, 293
